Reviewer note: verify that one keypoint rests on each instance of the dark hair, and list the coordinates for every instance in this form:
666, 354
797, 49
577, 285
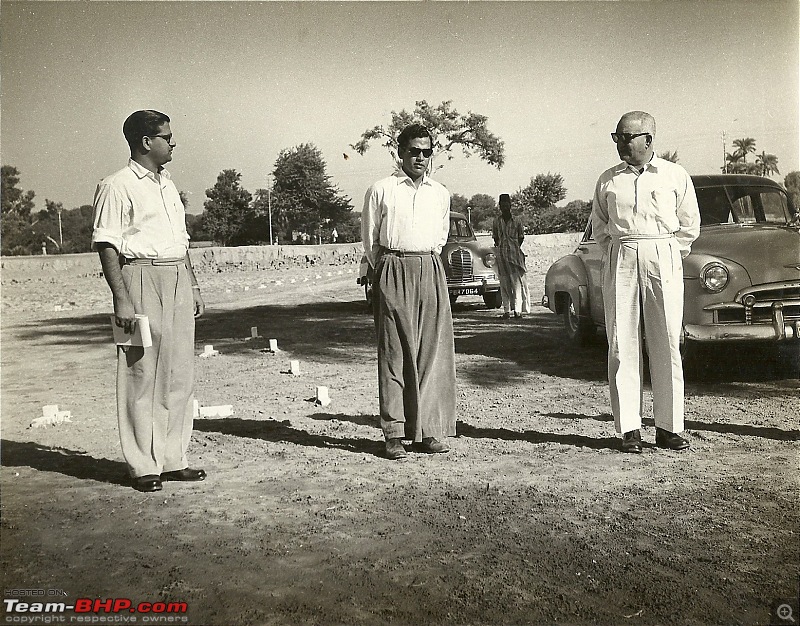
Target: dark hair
413, 131
142, 124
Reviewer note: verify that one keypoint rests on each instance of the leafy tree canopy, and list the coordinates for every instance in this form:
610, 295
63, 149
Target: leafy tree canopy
792, 184
227, 209
450, 130
12, 198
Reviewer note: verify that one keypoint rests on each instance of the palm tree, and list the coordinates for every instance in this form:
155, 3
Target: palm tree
744, 147
767, 164
734, 164
669, 156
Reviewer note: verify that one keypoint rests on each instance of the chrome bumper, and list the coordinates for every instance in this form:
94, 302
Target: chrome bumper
779, 330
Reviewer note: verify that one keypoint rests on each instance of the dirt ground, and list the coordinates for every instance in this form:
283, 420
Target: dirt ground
534, 517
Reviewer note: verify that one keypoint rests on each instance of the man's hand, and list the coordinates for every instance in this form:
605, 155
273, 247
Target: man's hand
124, 315
199, 305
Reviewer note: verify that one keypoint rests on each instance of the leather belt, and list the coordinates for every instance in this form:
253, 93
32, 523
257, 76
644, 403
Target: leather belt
126, 261
402, 253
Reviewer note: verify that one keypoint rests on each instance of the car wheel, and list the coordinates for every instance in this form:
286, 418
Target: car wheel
493, 300
579, 329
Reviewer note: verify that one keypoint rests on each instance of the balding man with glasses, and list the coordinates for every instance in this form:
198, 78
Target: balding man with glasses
140, 234
645, 218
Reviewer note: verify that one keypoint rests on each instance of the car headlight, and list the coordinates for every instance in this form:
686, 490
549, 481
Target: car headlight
714, 277
490, 260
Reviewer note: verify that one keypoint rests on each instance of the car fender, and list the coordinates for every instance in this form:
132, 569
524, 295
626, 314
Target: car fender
567, 276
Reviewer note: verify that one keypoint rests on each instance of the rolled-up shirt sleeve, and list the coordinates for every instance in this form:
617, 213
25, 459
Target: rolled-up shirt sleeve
600, 218
445, 222
108, 214
370, 225
688, 214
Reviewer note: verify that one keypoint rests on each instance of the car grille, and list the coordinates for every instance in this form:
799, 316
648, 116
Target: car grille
761, 310
460, 266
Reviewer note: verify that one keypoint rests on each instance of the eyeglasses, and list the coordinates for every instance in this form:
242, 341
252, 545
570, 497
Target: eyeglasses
167, 138
415, 152
626, 137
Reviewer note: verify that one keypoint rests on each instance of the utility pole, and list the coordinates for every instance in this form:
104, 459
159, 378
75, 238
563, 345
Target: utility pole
269, 206
724, 155
60, 233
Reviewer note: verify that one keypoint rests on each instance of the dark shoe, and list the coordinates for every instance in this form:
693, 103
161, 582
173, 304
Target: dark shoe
632, 442
147, 484
506, 315
671, 441
431, 445
185, 474
395, 450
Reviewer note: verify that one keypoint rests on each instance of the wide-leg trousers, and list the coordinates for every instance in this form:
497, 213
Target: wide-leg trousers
513, 288
643, 293
416, 352
155, 399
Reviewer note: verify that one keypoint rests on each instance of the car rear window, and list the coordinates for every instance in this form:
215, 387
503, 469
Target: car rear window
742, 204
460, 229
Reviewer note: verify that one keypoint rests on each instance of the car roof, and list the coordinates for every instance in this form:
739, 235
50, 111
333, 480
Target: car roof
718, 180
456, 214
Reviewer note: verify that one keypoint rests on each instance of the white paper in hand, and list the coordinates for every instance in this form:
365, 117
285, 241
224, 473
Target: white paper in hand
141, 333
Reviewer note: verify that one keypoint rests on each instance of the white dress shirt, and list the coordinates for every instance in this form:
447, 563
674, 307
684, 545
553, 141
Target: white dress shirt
659, 202
141, 214
399, 216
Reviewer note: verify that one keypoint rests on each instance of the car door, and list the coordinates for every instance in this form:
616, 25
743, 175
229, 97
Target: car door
592, 256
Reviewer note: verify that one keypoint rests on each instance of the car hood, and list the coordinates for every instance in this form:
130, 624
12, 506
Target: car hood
764, 251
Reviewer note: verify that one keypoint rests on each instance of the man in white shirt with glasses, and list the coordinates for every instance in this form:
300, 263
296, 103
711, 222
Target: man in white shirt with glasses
404, 225
645, 218
140, 235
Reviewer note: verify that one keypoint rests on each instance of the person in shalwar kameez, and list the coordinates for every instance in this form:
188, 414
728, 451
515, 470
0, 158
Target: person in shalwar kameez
645, 217
404, 225
508, 235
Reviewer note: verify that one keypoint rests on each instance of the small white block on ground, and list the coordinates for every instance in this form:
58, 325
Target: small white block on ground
208, 350
254, 332
323, 399
273, 345
49, 410
294, 368
222, 410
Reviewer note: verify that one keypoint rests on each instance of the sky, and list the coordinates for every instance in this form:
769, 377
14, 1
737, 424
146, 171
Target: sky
242, 81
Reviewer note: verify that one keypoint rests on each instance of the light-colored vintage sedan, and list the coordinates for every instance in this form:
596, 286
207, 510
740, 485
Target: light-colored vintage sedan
741, 280
468, 262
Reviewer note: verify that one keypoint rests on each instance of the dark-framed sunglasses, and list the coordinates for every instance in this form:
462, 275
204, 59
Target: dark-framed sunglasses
626, 137
415, 152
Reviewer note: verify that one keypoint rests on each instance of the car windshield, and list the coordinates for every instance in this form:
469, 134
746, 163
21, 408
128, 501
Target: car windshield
460, 230
742, 204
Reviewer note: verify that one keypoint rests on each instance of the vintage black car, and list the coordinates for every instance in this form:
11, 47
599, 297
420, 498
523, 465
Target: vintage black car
468, 262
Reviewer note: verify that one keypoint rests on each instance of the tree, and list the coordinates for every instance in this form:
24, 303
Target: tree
483, 210
450, 129
459, 203
669, 156
541, 193
744, 147
12, 199
569, 219
303, 198
792, 184
227, 209
767, 164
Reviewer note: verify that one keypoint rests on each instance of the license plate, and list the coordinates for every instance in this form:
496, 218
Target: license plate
471, 291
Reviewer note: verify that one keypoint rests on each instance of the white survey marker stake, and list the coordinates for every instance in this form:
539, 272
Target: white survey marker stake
323, 399
294, 368
273, 345
208, 350
254, 332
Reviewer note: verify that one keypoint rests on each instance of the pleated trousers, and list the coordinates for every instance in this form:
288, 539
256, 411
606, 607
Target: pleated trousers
643, 294
416, 352
155, 385
513, 287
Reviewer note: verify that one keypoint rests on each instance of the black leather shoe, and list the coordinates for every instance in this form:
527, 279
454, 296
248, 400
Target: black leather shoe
431, 445
185, 474
632, 442
147, 484
671, 441
395, 450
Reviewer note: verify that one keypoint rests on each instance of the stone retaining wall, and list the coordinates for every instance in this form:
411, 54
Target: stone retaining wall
217, 259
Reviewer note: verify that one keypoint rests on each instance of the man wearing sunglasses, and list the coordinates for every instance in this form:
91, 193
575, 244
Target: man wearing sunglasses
140, 234
645, 218
404, 224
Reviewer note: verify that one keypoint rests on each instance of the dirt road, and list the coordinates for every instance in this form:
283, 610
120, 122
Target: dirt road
533, 518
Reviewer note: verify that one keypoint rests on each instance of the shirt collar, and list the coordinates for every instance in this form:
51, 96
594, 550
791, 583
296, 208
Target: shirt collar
402, 177
653, 164
142, 172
